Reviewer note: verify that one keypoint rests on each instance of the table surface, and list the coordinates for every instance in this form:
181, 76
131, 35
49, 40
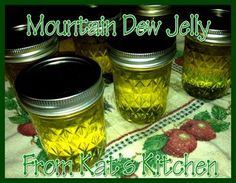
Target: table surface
128, 139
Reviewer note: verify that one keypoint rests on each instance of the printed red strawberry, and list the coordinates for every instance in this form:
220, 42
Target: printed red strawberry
27, 129
179, 143
179, 61
169, 132
201, 130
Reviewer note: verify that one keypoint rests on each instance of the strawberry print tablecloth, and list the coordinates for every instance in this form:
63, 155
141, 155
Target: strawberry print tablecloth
127, 142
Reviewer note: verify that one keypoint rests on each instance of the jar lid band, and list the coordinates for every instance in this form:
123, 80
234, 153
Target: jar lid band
153, 10
32, 53
46, 102
135, 61
217, 37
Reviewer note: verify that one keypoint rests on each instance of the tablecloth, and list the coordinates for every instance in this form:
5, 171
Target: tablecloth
128, 141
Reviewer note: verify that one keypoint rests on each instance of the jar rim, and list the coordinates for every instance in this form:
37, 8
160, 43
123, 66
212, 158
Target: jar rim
69, 103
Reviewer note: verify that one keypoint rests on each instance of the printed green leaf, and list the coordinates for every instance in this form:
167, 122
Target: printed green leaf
22, 111
155, 143
119, 164
178, 54
19, 119
42, 156
204, 116
10, 94
153, 149
218, 125
38, 143
219, 112
153, 162
10, 104
25, 115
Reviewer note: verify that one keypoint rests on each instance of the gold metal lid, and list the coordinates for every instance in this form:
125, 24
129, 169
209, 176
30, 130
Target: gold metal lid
153, 10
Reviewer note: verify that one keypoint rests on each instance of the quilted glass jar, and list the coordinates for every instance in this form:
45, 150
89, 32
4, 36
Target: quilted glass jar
95, 47
63, 96
207, 65
142, 68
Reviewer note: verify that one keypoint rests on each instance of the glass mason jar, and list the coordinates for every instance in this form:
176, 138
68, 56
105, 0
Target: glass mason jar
207, 65
63, 96
95, 47
141, 76
22, 50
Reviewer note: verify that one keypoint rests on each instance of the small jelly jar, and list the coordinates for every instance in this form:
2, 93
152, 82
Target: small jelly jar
95, 47
63, 96
22, 50
142, 67
207, 64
